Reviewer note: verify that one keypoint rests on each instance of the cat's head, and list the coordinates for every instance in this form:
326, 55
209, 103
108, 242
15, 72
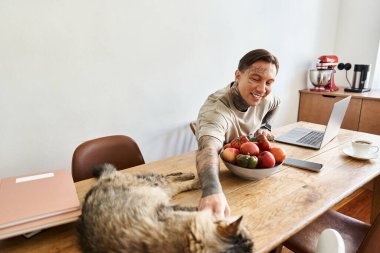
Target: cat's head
216, 235
232, 231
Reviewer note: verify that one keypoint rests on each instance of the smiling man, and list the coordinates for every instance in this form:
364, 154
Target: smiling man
244, 107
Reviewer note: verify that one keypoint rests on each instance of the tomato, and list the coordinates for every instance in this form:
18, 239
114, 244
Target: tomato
264, 144
236, 143
246, 161
242, 160
252, 162
249, 148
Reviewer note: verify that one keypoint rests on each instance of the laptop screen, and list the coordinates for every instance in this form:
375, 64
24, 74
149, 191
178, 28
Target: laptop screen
336, 119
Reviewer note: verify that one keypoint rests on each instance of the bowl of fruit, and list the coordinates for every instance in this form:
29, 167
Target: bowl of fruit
252, 158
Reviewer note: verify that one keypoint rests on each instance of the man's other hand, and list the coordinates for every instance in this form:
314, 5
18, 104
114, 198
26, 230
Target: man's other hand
267, 133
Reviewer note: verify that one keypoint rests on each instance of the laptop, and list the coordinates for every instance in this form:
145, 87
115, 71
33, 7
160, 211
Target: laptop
316, 139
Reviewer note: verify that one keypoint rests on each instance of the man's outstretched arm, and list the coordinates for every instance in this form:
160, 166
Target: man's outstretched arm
207, 162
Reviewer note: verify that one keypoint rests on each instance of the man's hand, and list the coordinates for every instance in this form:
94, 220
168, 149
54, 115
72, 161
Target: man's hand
217, 203
266, 133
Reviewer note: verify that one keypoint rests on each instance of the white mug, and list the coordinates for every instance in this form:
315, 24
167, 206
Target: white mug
364, 147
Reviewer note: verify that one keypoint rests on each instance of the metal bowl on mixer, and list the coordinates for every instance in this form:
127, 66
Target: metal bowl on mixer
320, 77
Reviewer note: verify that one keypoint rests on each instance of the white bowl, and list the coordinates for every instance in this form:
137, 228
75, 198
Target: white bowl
251, 174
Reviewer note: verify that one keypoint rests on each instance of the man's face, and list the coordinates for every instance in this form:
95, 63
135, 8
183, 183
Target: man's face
255, 83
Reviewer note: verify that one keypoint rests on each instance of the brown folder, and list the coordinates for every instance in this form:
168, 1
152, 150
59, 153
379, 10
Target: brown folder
39, 224
28, 198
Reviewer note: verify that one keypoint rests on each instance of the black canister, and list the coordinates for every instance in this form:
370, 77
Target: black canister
360, 80
361, 76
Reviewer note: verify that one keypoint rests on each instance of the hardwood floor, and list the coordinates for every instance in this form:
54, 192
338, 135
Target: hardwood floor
357, 205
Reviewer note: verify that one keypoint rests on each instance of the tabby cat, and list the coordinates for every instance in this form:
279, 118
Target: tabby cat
127, 212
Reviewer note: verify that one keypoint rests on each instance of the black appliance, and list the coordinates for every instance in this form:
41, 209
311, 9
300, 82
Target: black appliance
360, 80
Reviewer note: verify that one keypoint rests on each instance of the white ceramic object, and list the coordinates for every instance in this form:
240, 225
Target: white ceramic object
251, 174
350, 152
330, 241
364, 147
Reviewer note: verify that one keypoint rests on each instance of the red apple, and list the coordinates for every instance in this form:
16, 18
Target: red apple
278, 153
266, 160
249, 148
229, 154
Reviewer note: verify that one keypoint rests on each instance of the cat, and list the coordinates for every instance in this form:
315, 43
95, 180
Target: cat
127, 212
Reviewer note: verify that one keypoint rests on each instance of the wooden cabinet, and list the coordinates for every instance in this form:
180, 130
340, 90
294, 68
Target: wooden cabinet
370, 117
363, 113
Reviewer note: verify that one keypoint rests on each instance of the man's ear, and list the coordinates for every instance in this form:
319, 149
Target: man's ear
237, 75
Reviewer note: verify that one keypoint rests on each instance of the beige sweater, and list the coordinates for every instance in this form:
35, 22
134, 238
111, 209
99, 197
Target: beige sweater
218, 117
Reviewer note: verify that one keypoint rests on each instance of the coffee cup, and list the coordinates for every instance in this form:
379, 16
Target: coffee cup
364, 147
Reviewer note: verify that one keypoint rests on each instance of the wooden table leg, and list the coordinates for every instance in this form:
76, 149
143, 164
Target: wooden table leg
375, 198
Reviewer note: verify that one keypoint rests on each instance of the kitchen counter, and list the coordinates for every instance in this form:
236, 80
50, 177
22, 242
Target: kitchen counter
373, 94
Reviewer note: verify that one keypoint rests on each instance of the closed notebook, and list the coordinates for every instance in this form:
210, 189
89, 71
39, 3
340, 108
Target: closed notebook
39, 224
28, 198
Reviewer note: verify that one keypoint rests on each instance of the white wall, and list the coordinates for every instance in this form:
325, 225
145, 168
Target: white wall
76, 70
358, 37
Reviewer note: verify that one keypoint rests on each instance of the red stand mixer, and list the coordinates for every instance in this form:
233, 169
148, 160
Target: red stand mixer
323, 77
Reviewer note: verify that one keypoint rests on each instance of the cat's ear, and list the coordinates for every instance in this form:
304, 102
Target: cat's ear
229, 229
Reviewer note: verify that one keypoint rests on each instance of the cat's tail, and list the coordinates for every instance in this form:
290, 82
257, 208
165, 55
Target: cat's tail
103, 169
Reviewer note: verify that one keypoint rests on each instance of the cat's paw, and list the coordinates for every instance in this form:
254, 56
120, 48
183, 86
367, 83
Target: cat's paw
196, 184
179, 176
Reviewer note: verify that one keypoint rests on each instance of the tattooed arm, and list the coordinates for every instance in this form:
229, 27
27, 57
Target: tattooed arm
207, 161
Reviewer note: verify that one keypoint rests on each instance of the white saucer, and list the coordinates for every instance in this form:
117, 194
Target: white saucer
350, 152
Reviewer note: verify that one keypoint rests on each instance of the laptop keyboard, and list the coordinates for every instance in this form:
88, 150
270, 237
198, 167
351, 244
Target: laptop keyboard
312, 138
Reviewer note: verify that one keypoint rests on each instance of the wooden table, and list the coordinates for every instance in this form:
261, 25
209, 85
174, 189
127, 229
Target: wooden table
274, 208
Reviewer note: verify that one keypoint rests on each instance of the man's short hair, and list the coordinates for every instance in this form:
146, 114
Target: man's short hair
257, 55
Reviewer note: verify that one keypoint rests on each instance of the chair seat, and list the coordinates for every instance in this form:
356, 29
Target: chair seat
352, 231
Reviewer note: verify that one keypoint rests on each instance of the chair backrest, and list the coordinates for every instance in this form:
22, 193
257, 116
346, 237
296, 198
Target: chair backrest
119, 150
371, 242
193, 126
330, 241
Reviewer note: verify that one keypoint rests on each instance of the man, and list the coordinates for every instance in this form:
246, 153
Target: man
244, 107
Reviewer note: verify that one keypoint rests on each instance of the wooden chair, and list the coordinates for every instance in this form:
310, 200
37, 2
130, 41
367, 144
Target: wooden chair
119, 150
359, 237
193, 126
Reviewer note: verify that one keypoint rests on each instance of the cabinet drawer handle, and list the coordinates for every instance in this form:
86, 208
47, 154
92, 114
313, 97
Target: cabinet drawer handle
329, 96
